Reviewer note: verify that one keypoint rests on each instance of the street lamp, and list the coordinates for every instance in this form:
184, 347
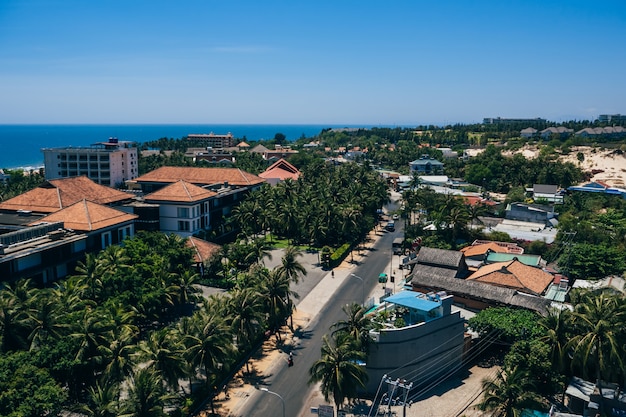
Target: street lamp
282, 400
362, 287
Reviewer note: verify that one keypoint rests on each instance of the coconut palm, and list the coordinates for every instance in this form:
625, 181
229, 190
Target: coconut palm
245, 308
508, 394
118, 355
102, 401
90, 274
208, 340
44, 319
146, 396
289, 265
15, 318
338, 371
356, 325
596, 346
557, 332
164, 352
278, 299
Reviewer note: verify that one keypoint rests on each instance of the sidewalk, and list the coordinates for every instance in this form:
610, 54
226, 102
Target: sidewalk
454, 397
272, 355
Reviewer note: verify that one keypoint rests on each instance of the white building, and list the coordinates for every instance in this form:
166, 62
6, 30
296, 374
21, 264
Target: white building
107, 163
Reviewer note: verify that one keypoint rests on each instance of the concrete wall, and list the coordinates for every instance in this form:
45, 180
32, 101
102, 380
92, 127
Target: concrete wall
417, 353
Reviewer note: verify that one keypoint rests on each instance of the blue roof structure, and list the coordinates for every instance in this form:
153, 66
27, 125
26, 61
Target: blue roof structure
413, 300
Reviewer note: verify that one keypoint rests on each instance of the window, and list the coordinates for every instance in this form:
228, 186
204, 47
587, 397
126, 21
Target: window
183, 226
106, 239
183, 212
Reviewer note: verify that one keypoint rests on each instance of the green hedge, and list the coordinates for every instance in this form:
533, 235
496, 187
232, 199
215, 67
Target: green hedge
339, 254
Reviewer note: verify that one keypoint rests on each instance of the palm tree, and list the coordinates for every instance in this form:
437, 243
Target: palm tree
146, 396
44, 319
508, 394
15, 318
277, 296
557, 332
338, 371
598, 319
164, 352
90, 274
289, 266
356, 326
244, 310
92, 332
102, 401
119, 354
208, 340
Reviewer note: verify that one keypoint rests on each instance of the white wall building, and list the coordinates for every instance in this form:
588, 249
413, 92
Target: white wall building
107, 163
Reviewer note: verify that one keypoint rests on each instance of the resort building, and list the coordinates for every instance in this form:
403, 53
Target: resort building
212, 140
183, 207
108, 163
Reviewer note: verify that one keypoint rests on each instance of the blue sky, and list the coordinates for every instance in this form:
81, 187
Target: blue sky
314, 62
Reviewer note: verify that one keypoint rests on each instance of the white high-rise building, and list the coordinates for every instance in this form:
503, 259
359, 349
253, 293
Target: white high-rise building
107, 163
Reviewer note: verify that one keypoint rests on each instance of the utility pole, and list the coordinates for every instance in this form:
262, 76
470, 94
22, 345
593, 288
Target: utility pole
395, 385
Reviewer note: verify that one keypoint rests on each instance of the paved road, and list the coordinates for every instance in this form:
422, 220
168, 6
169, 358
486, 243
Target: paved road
291, 383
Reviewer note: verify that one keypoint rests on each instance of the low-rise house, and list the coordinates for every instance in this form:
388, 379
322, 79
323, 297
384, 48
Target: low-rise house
441, 262
478, 295
515, 275
421, 336
559, 132
546, 192
527, 259
586, 398
528, 133
203, 252
533, 213
476, 253
609, 132
280, 171
426, 166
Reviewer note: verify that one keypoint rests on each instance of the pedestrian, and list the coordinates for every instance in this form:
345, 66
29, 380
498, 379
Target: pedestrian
332, 273
290, 359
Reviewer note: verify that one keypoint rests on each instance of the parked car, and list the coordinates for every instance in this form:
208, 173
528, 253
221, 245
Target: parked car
395, 217
391, 226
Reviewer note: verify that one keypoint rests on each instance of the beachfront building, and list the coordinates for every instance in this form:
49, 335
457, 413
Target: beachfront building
420, 336
108, 163
212, 140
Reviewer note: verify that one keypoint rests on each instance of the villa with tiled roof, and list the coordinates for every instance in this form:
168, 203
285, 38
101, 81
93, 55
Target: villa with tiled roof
184, 208
54, 195
213, 178
103, 225
203, 251
280, 170
515, 275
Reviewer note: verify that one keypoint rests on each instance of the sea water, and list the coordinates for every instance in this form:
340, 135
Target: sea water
20, 145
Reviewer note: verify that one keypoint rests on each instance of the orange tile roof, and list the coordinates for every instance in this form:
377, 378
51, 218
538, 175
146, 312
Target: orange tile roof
203, 250
180, 191
54, 195
514, 274
201, 176
477, 250
86, 216
282, 170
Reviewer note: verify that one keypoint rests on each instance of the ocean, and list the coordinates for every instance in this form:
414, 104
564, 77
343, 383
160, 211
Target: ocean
20, 145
